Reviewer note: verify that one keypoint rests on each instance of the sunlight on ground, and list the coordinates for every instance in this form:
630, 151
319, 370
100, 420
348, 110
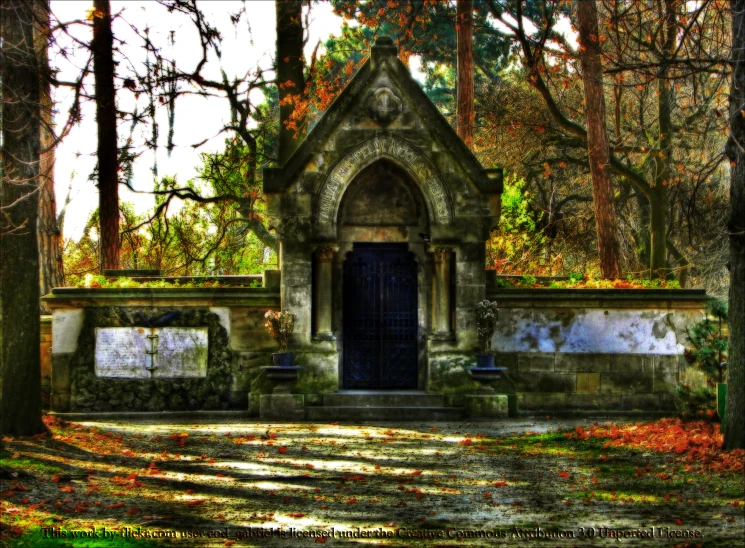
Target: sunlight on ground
398, 481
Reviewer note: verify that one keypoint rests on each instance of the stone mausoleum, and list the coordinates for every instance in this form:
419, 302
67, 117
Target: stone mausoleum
382, 213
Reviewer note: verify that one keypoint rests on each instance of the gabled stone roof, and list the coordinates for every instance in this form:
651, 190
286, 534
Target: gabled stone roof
384, 56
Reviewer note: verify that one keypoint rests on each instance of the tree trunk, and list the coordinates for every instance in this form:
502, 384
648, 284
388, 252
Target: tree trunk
290, 75
734, 432
658, 231
108, 159
49, 234
20, 368
597, 139
464, 92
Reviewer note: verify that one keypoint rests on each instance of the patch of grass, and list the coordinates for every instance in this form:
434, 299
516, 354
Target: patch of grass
26, 464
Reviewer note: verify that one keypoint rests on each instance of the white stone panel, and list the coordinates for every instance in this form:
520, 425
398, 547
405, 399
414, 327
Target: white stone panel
607, 331
224, 315
66, 326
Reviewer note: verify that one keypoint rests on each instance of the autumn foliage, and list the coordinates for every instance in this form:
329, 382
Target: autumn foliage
696, 443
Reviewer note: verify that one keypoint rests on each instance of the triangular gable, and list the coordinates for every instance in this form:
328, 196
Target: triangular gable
384, 57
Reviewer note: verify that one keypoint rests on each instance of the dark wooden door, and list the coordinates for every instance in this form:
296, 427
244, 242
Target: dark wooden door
380, 317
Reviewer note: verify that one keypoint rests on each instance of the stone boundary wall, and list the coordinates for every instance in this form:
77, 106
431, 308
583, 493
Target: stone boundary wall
239, 311
45, 354
592, 382
594, 350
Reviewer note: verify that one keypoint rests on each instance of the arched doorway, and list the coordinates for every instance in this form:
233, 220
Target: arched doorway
380, 317
383, 268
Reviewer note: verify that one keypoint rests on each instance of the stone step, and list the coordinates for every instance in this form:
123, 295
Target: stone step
378, 398
328, 412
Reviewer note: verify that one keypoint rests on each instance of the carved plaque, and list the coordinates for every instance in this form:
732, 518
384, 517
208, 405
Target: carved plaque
141, 352
122, 352
182, 352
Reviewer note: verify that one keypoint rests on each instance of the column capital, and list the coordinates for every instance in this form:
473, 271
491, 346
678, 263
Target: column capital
326, 251
442, 252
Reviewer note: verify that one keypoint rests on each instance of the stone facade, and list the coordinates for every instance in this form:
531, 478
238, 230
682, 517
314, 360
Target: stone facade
382, 166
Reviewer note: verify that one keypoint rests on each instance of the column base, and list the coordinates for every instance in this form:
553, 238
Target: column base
323, 336
442, 336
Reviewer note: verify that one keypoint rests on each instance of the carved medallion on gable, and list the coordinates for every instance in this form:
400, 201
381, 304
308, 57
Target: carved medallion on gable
383, 106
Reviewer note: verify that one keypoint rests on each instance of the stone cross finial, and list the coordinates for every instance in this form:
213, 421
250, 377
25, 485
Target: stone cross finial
383, 48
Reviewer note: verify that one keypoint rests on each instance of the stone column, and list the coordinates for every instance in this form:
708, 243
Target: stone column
441, 306
322, 292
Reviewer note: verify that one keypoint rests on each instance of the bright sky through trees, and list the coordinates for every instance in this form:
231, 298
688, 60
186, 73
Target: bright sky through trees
244, 47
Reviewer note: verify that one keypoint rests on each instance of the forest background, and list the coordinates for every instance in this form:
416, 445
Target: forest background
666, 120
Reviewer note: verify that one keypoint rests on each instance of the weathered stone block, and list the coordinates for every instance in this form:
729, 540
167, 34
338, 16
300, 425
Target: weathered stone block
468, 295
506, 359
596, 401
587, 363
527, 401
626, 383
666, 373
471, 252
545, 382
272, 279
630, 363
588, 382
486, 406
468, 273
465, 319
447, 375
254, 405
528, 361
648, 402
61, 368
282, 407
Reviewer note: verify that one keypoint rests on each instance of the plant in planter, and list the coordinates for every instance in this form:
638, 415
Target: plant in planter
486, 324
280, 325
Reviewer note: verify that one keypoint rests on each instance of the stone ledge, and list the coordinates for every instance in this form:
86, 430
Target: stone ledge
73, 297
598, 298
149, 415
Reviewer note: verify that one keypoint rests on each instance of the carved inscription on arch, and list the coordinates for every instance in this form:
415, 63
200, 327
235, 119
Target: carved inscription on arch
382, 146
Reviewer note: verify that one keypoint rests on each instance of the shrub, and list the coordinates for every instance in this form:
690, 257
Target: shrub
709, 341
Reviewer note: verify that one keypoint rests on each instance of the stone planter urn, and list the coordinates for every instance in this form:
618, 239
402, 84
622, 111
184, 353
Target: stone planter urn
283, 359
284, 375
486, 375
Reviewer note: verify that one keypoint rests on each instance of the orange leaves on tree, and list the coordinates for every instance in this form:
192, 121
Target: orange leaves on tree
115, 505
564, 474
282, 450
132, 511
500, 484
466, 441
196, 502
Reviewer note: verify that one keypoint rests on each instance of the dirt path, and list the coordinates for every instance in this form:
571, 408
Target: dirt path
269, 484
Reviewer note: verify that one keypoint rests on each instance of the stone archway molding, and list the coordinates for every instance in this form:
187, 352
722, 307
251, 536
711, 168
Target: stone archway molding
403, 154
